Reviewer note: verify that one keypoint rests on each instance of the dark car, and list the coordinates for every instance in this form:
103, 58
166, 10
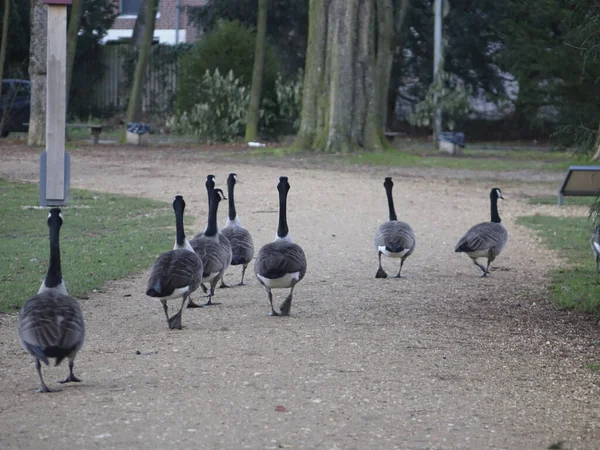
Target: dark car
14, 106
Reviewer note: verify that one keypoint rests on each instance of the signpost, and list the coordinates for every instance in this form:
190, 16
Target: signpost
54, 162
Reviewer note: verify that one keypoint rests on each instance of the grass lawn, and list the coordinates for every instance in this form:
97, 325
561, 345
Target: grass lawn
567, 201
414, 153
576, 286
103, 237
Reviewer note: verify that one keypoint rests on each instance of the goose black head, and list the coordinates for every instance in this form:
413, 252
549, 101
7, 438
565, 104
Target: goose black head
232, 179
283, 185
388, 183
210, 181
55, 216
178, 203
496, 193
218, 195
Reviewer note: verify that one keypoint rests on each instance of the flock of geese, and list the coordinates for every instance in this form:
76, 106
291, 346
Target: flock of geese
51, 324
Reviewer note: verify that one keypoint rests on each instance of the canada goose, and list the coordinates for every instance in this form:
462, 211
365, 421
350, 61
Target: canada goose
281, 264
487, 239
214, 255
175, 273
50, 323
223, 240
242, 246
595, 242
394, 239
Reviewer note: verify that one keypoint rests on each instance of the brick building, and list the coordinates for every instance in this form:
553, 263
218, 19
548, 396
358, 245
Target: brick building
166, 30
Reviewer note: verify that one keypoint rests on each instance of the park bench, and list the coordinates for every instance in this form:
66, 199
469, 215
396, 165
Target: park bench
580, 181
94, 130
391, 135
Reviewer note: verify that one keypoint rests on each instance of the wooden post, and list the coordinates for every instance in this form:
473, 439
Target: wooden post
54, 176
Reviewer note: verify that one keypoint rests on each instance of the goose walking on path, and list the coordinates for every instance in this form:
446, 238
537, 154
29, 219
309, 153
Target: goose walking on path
242, 245
394, 239
51, 323
595, 242
175, 273
281, 264
487, 239
214, 254
223, 240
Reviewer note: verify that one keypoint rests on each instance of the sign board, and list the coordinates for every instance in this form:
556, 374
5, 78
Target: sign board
580, 181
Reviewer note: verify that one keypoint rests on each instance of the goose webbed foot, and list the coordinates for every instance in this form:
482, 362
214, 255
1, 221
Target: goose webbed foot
381, 273
483, 269
175, 321
71, 378
210, 302
398, 276
270, 294
191, 304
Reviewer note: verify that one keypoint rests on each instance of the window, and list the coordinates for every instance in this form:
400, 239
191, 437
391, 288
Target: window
130, 7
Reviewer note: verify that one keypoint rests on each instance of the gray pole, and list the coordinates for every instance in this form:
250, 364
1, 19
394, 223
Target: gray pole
437, 59
177, 17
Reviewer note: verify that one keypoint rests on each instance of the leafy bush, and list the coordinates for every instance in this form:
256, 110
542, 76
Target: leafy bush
220, 115
230, 47
289, 103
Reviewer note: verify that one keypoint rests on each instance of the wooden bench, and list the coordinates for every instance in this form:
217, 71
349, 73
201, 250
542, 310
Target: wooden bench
580, 181
94, 129
391, 135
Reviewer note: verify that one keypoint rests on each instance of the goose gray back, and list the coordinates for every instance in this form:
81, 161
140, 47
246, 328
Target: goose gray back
281, 264
215, 255
242, 245
176, 273
486, 239
51, 324
394, 239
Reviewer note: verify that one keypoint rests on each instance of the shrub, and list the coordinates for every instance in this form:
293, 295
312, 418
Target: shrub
230, 47
289, 103
220, 114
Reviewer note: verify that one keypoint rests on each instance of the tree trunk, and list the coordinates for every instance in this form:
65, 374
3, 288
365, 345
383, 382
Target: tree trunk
257, 75
348, 67
137, 38
4, 37
134, 109
37, 73
72, 35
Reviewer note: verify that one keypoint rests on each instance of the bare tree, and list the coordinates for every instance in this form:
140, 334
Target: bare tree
253, 115
37, 73
348, 66
134, 108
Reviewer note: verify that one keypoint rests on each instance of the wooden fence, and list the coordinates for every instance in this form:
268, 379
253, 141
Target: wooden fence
111, 93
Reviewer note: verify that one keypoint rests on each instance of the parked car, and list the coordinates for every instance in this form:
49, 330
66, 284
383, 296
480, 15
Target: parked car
14, 106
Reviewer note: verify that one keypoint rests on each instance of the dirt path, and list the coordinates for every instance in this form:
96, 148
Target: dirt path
439, 360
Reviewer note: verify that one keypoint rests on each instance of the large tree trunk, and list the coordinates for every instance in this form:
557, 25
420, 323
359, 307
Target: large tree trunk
137, 38
37, 73
134, 109
257, 75
72, 35
4, 37
348, 66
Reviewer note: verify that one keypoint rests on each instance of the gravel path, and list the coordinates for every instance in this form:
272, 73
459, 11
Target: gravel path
441, 359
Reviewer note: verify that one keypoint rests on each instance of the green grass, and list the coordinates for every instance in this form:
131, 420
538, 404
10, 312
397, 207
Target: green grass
567, 201
104, 237
594, 367
576, 286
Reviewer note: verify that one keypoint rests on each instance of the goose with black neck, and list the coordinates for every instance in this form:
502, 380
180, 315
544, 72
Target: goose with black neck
486, 239
175, 273
214, 254
51, 324
281, 264
242, 245
394, 238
